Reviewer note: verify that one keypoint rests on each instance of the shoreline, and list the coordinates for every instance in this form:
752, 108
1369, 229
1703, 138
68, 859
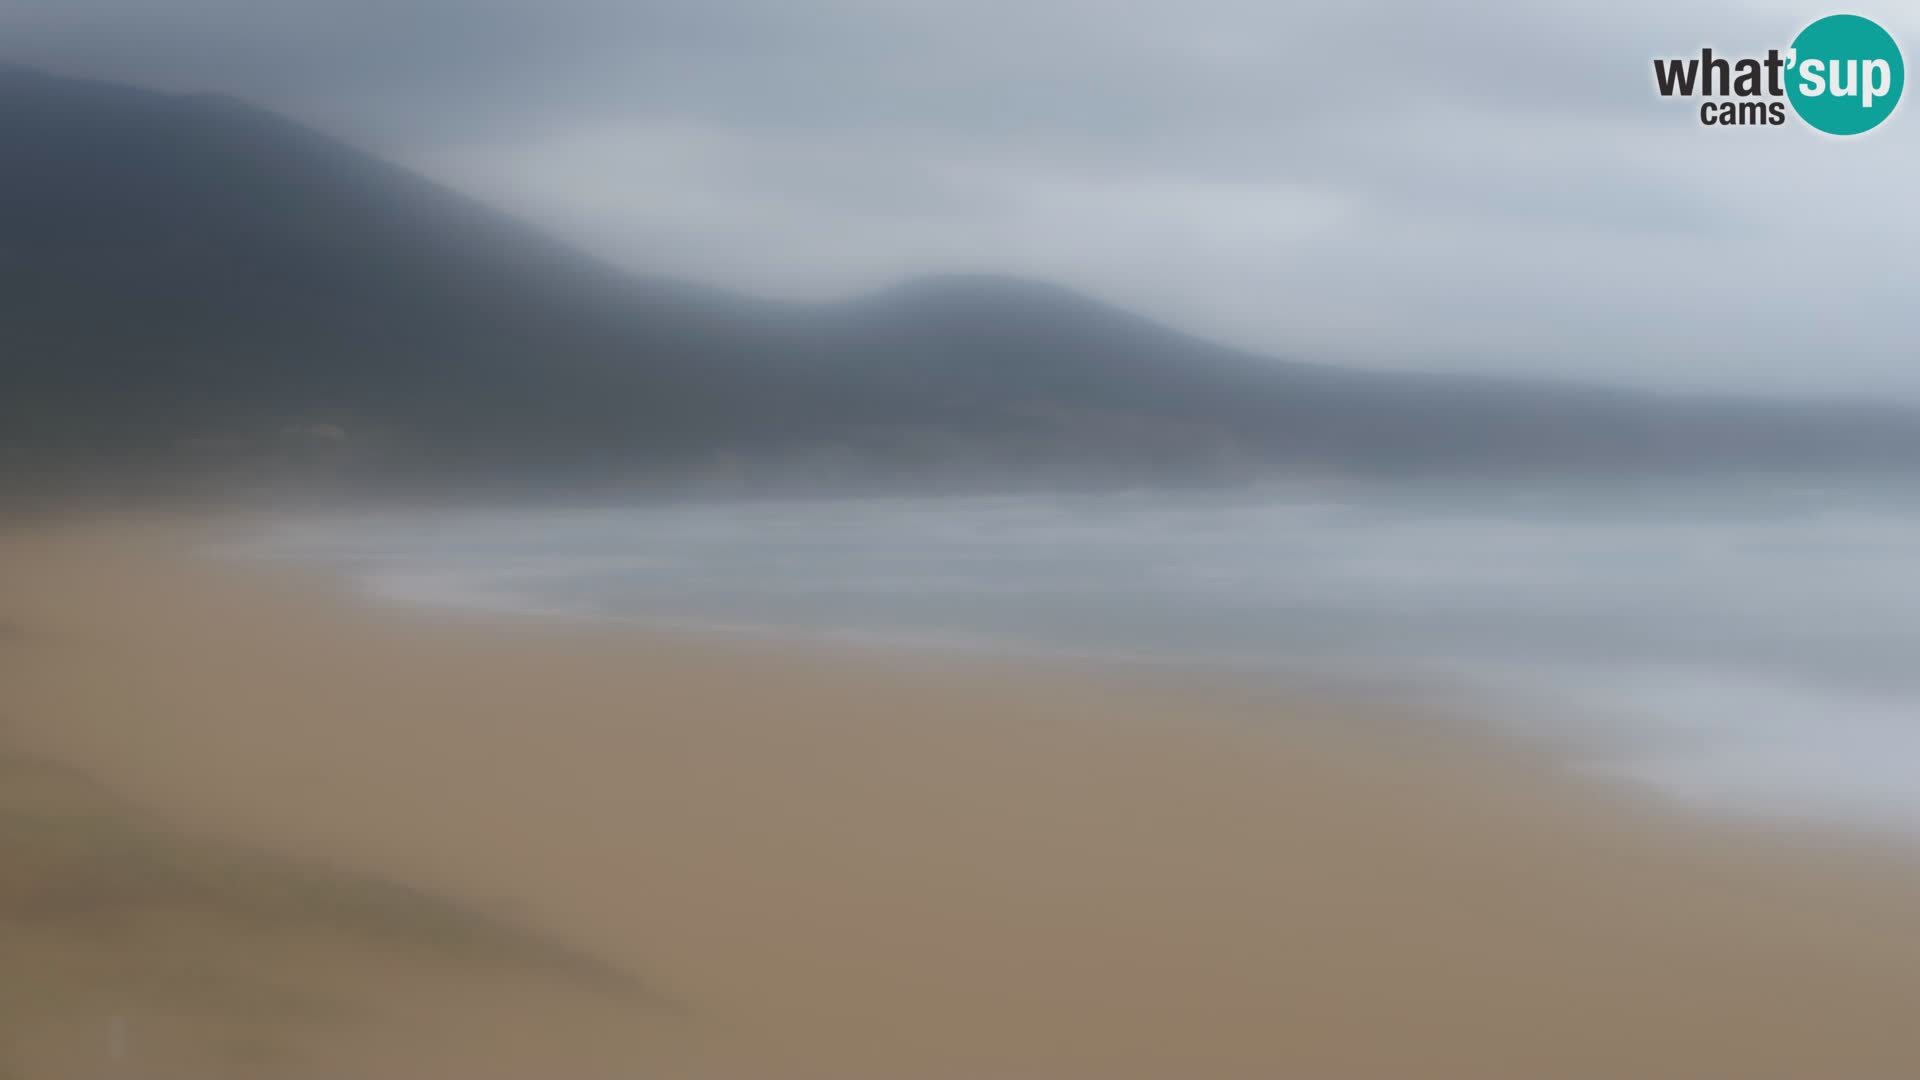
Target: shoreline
834, 862
1486, 703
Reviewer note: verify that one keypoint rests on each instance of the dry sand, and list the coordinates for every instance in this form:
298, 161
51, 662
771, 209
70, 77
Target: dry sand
250, 826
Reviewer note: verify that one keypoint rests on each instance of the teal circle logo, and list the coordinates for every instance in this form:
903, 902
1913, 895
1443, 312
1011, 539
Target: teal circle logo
1845, 75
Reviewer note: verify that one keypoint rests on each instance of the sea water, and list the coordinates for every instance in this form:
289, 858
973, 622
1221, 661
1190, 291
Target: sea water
1751, 645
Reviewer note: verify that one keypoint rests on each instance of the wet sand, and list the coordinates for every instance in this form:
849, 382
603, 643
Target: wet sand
250, 826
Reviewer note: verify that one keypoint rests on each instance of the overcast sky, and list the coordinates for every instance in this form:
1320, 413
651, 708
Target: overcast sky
1404, 183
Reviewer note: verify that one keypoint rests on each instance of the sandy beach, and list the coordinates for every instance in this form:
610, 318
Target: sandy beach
251, 825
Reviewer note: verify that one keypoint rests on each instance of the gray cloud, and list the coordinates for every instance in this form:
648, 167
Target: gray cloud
1400, 183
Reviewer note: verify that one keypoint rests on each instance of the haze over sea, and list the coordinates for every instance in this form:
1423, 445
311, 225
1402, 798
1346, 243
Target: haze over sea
1748, 646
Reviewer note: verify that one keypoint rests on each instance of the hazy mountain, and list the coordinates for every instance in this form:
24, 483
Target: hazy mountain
190, 281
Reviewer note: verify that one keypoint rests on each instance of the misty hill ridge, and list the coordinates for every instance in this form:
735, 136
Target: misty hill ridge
183, 271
